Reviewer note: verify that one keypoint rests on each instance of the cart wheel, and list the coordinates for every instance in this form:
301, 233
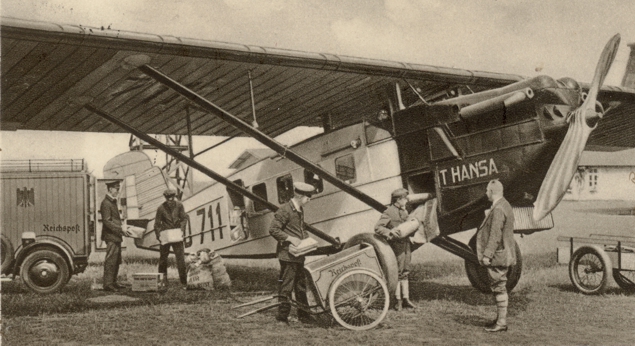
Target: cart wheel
477, 274
589, 269
625, 279
359, 299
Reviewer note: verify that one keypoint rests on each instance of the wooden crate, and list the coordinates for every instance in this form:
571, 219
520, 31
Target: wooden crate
147, 282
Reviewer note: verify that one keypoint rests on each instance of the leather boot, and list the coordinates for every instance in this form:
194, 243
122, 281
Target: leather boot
405, 293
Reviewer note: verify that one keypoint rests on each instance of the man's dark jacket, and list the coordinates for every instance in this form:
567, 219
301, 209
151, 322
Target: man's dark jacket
288, 221
168, 218
111, 221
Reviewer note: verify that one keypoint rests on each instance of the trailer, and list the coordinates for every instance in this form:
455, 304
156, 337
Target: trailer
48, 217
593, 260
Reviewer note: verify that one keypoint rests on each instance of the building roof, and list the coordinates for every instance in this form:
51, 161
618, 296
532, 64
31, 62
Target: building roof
624, 158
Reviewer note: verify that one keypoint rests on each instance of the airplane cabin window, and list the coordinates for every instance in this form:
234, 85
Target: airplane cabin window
375, 133
285, 188
260, 190
236, 198
313, 179
345, 168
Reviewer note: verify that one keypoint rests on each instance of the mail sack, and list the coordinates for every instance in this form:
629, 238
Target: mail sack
200, 276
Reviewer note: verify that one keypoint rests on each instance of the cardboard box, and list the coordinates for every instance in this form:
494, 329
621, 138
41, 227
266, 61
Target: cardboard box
172, 235
147, 282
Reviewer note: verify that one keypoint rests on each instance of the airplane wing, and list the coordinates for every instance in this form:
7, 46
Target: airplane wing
49, 71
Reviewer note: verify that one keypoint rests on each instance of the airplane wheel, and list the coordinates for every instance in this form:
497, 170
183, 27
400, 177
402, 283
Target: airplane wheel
625, 279
359, 299
386, 256
479, 278
589, 269
7, 254
44, 271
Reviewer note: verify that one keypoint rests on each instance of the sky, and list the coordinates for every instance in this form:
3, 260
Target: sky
529, 38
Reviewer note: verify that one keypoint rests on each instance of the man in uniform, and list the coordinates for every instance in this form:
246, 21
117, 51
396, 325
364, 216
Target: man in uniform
288, 228
171, 214
112, 233
495, 249
392, 217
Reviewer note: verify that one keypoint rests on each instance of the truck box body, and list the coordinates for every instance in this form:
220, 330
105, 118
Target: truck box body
51, 204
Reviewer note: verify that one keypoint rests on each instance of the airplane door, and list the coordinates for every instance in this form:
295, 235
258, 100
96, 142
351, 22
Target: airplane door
258, 217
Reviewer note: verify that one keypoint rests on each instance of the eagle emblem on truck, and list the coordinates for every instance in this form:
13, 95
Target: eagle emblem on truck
26, 197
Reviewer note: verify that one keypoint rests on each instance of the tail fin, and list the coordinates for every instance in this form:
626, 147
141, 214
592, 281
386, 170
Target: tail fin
629, 75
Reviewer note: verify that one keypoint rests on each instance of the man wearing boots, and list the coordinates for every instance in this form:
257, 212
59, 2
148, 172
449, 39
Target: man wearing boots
495, 249
392, 217
287, 228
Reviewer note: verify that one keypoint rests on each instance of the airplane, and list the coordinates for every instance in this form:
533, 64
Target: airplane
442, 133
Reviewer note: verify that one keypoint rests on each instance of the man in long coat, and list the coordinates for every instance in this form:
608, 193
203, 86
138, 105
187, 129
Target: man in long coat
495, 249
112, 233
287, 228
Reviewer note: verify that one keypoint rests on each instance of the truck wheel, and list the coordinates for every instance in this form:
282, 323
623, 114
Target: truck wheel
590, 269
386, 256
7, 254
45, 271
477, 274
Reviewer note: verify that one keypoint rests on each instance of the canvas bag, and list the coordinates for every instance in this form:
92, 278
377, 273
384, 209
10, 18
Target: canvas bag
200, 276
421, 225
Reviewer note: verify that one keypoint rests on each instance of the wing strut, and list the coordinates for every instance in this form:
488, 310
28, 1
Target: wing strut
192, 163
261, 137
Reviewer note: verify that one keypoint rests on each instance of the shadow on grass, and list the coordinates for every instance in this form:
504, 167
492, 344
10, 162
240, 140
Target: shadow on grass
569, 288
430, 291
518, 302
17, 300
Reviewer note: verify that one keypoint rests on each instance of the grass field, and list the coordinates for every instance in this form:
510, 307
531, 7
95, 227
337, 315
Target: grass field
544, 310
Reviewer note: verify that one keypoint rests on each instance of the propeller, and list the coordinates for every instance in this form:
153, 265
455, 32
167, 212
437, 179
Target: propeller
565, 162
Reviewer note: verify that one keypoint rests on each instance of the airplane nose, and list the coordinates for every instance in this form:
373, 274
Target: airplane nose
565, 162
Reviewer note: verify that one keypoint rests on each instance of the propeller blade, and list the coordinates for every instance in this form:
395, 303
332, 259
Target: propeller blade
563, 166
565, 162
602, 69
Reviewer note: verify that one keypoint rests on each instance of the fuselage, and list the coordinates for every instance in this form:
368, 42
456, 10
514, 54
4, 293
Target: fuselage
426, 148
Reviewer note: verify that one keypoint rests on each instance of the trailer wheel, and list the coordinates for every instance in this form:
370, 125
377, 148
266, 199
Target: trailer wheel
386, 256
7, 254
625, 279
45, 271
477, 274
589, 269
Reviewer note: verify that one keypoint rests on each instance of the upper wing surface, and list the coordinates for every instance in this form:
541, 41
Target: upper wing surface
49, 71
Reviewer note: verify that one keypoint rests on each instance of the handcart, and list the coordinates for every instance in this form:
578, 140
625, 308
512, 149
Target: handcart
592, 260
349, 284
